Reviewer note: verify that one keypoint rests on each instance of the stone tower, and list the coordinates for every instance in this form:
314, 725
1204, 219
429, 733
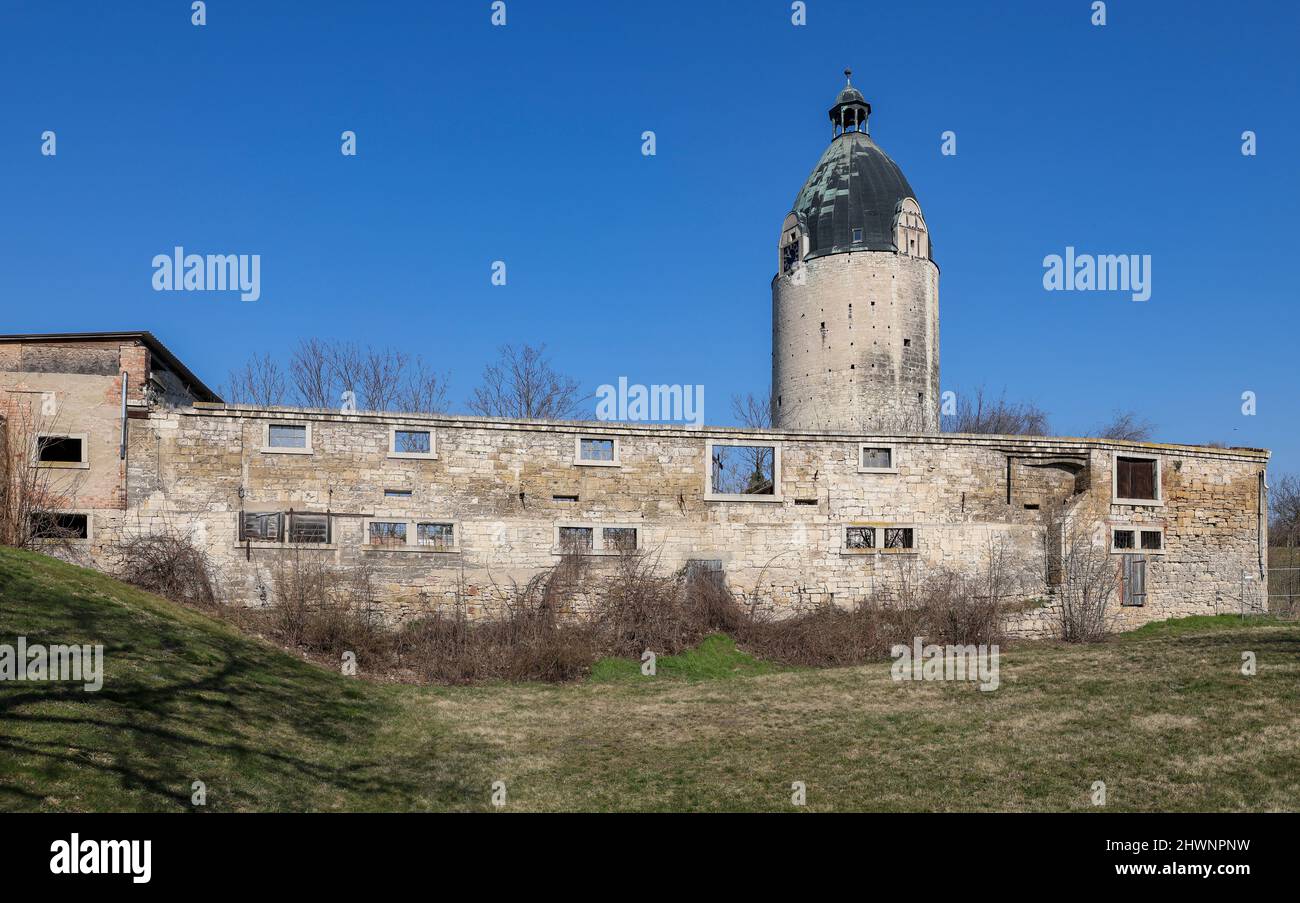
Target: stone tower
855, 301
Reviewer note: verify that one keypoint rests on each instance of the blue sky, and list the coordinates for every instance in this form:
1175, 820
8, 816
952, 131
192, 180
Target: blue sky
522, 143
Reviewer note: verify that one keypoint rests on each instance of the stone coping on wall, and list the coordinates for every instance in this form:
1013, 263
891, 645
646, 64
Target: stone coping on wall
1014, 445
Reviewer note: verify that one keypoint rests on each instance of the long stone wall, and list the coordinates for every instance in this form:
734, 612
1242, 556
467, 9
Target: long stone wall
507, 486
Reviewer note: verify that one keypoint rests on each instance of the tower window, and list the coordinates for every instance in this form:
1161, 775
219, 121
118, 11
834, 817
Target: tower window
857, 235
907, 343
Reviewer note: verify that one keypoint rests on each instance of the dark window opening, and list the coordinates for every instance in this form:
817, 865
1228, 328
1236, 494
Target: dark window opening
564, 498
576, 539
259, 527
1152, 540
52, 525
621, 539
907, 343
860, 537
1123, 539
899, 538
1135, 478
805, 501
59, 449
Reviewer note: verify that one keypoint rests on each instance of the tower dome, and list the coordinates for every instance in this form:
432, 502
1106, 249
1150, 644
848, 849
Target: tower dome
855, 302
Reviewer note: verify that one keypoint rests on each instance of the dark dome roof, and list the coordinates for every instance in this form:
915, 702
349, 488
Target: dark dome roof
850, 95
853, 186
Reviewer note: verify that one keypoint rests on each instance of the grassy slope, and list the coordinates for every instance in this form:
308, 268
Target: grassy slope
1162, 715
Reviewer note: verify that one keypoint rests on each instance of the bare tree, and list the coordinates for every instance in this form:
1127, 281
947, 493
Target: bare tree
28, 490
753, 411
259, 382
314, 374
522, 384
1284, 511
423, 392
977, 412
1128, 426
1084, 575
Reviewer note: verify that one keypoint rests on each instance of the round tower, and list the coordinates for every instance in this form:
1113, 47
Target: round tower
855, 301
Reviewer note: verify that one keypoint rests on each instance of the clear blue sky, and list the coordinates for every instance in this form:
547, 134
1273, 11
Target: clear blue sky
478, 143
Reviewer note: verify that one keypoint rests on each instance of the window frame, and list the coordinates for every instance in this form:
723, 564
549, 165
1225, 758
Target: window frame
711, 496
580, 461
893, 457
598, 528
83, 464
284, 530
430, 455
878, 529
411, 543
1115, 498
1137, 530
268, 449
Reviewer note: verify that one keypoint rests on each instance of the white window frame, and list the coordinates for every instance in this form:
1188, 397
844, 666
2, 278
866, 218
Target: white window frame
597, 528
893, 457
880, 527
278, 450
711, 496
1138, 530
83, 464
412, 530
430, 455
1158, 501
584, 462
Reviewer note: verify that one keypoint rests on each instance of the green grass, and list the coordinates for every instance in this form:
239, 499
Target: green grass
716, 658
1163, 716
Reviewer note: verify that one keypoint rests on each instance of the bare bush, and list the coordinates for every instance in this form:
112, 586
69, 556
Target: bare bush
1128, 426
168, 564
977, 412
1085, 577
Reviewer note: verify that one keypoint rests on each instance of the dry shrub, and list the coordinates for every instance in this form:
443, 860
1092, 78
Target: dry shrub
169, 564
326, 610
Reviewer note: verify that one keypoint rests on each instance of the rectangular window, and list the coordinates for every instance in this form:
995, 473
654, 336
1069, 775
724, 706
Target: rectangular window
857, 538
54, 525
1137, 478
576, 539
387, 533
259, 527
1152, 540
857, 235
1136, 539
1122, 540
286, 435
899, 538
742, 471
309, 528
412, 442
620, 539
596, 450
397, 493
876, 458
440, 537
566, 499
61, 449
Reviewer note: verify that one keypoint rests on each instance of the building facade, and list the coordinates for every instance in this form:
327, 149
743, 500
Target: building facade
851, 493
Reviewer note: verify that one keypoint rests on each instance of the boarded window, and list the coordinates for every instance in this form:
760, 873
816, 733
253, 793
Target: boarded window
877, 457
743, 470
53, 525
286, 435
1133, 577
309, 528
860, 538
412, 442
387, 533
60, 449
435, 536
620, 539
1152, 540
1123, 539
596, 449
1135, 478
899, 538
576, 539
260, 527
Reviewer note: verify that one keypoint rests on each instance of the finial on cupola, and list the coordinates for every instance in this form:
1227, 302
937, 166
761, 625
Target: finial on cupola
848, 76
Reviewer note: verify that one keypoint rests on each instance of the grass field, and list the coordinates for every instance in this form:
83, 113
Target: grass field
1163, 716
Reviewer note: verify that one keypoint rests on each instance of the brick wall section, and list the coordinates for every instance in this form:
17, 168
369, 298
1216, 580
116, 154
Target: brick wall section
496, 481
